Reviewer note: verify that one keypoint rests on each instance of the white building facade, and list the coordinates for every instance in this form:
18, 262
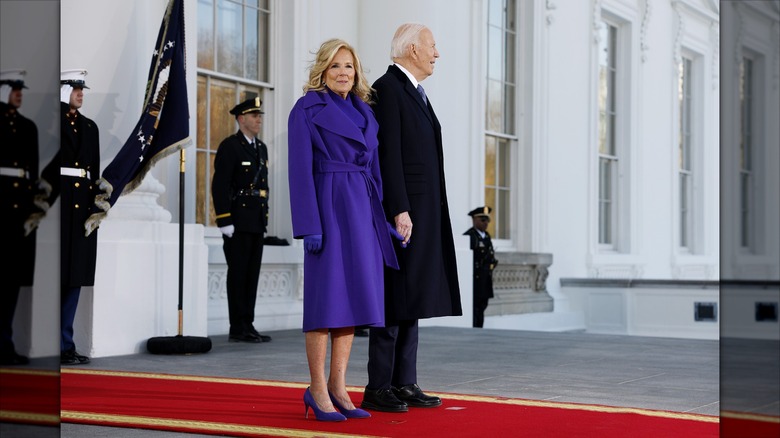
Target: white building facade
591, 127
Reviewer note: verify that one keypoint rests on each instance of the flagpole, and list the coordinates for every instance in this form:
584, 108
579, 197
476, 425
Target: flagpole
180, 344
182, 165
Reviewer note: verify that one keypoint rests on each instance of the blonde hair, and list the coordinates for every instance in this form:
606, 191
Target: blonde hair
406, 35
324, 58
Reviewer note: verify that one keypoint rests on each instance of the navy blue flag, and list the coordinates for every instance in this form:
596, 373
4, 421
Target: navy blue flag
164, 126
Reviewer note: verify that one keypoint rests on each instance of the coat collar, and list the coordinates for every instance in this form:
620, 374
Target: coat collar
410, 90
330, 117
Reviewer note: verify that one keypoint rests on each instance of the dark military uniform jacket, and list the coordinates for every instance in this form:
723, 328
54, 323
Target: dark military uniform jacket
240, 185
79, 149
19, 170
484, 263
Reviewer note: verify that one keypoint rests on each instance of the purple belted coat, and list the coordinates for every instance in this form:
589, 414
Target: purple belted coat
336, 191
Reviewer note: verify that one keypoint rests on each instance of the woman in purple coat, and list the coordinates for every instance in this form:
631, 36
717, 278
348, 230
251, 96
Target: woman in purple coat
336, 204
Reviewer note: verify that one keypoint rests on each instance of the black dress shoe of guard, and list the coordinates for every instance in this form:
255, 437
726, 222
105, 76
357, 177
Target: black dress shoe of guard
263, 338
83, 360
13, 358
412, 395
382, 400
70, 357
245, 337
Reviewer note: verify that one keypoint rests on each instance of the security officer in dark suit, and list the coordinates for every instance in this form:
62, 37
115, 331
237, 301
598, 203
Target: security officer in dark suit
18, 172
239, 189
484, 261
79, 172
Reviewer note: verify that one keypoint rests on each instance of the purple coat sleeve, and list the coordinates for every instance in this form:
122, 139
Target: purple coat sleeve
303, 194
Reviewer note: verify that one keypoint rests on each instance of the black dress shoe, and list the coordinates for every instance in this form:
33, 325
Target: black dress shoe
244, 337
412, 395
70, 357
382, 400
13, 358
81, 358
263, 338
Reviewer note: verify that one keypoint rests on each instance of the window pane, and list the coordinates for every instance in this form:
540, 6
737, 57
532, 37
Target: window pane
502, 215
509, 110
202, 108
605, 201
504, 163
509, 57
229, 31
490, 200
603, 146
494, 106
612, 52
490, 161
263, 49
684, 199
223, 124
495, 12
744, 210
206, 34
511, 16
495, 53
250, 44
202, 196
611, 134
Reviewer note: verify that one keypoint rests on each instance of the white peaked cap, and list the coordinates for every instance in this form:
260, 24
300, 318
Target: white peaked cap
74, 77
13, 75
9, 81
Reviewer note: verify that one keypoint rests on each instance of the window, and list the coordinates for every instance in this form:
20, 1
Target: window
233, 65
746, 170
608, 157
684, 158
500, 114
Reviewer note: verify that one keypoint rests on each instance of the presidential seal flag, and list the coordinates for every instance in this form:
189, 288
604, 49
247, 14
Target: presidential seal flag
164, 124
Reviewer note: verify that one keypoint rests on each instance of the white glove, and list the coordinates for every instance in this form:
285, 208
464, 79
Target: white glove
32, 223
227, 230
65, 91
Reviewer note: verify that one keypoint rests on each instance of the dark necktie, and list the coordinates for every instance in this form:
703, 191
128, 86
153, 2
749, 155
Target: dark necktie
422, 94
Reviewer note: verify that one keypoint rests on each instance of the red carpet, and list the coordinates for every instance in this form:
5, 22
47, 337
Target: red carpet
29, 396
745, 425
240, 407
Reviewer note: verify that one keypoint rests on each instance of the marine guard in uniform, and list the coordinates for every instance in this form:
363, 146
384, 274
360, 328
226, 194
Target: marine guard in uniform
239, 190
18, 213
484, 261
79, 172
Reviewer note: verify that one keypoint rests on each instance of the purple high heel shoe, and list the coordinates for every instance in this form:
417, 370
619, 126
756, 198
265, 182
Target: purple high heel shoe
308, 400
348, 413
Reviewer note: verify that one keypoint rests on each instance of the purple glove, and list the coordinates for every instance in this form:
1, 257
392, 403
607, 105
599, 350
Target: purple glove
396, 234
312, 244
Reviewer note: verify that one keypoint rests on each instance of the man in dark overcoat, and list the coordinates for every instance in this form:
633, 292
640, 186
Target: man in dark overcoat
79, 171
18, 172
239, 190
484, 261
412, 165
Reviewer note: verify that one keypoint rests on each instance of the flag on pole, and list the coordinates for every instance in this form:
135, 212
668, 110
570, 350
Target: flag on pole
164, 126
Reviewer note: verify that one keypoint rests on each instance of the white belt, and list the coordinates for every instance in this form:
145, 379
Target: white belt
14, 172
74, 171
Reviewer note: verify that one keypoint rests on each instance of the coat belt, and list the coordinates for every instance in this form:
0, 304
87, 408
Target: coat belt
74, 171
14, 172
253, 192
377, 212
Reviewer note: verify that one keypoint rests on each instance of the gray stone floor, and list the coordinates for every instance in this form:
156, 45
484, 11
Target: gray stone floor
643, 372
